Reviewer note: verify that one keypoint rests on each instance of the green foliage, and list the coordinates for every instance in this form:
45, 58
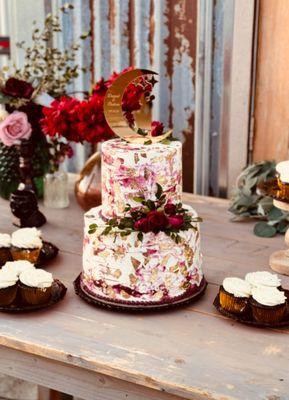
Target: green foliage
248, 203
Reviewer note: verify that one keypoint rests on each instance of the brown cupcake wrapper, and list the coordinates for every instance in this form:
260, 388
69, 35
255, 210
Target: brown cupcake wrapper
231, 303
31, 255
34, 296
8, 295
5, 255
267, 314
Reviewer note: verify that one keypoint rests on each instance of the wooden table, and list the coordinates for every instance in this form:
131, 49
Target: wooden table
189, 353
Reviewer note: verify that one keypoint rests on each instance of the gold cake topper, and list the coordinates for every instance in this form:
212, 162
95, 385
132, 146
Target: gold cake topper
114, 114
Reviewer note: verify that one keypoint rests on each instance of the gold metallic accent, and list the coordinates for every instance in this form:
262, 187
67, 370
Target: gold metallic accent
114, 114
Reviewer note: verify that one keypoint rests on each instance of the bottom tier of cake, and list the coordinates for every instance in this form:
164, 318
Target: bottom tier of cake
154, 270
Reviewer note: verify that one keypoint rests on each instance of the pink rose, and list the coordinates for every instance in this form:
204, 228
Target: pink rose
15, 127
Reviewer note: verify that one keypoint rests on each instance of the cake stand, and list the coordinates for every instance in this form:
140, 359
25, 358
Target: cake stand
279, 260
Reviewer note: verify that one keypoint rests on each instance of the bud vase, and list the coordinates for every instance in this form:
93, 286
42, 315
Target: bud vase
56, 189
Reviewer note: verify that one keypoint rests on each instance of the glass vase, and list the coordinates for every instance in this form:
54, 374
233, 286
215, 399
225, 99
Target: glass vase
56, 189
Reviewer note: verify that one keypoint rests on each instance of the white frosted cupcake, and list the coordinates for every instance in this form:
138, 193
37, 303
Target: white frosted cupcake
8, 287
268, 304
26, 244
263, 278
35, 286
5, 243
234, 295
18, 266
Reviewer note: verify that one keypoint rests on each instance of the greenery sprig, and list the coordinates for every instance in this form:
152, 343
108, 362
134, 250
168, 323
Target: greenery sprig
152, 216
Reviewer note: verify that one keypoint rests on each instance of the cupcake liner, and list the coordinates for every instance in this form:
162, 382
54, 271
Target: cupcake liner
8, 295
267, 314
34, 296
31, 255
231, 303
5, 255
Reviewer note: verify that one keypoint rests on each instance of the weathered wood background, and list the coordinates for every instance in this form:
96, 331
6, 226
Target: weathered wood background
271, 136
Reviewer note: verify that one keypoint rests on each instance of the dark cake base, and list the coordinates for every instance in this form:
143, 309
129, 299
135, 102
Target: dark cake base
120, 305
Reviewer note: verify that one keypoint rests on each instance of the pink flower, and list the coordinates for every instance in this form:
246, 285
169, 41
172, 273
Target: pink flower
176, 221
15, 127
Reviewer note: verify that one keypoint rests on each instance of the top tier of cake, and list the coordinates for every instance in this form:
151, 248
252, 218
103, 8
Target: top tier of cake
133, 170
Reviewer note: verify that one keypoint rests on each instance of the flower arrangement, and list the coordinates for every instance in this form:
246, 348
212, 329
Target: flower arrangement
83, 120
24, 91
154, 216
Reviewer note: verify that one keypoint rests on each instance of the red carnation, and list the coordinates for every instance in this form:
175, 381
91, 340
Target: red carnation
61, 119
157, 221
157, 128
18, 88
170, 209
176, 221
91, 124
142, 225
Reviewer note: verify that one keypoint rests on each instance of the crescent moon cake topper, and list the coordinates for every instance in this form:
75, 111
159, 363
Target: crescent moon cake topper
114, 115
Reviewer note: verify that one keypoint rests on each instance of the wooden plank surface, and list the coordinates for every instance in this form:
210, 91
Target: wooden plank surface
191, 353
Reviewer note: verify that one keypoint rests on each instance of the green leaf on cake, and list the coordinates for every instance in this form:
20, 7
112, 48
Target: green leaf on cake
275, 214
262, 229
148, 142
142, 132
138, 199
140, 236
159, 191
107, 230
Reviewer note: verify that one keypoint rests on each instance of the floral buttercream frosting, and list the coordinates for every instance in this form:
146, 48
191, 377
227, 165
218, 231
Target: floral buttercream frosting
27, 238
142, 244
130, 171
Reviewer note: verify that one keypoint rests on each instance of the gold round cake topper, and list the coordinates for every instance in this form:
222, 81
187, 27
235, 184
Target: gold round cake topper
114, 114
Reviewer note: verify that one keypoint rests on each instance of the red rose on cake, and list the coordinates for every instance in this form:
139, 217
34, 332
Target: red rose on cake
176, 221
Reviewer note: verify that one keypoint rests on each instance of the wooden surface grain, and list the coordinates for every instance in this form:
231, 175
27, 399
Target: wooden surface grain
189, 353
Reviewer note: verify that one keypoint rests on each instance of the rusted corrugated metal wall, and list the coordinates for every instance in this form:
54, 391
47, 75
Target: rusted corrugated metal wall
155, 34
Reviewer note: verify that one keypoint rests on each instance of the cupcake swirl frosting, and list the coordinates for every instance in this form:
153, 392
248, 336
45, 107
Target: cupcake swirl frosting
238, 287
268, 296
17, 266
37, 278
27, 238
7, 279
5, 240
263, 278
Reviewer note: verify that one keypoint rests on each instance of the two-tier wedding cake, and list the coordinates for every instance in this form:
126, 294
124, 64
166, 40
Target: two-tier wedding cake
142, 246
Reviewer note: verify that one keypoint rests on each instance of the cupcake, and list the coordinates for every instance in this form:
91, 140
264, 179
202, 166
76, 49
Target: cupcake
282, 169
234, 295
268, 304
263, 278
8, 287
18, 266
35, 286
5, 254
26, 244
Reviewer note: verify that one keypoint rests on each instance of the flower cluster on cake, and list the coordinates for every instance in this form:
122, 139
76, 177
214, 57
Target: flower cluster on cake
142, 245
